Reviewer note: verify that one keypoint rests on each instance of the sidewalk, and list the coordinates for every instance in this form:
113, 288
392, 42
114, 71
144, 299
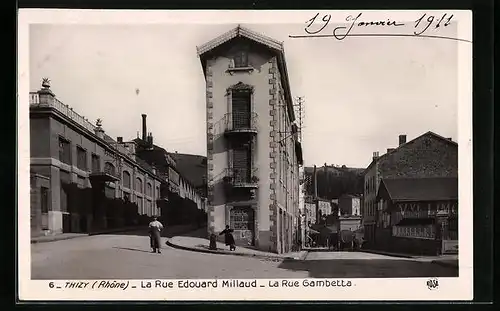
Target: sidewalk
201, 245
56, 237
444, 260
372, 251
65, 236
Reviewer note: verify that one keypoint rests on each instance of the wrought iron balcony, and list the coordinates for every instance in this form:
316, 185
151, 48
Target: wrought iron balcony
105, 175
240, 122
241, 178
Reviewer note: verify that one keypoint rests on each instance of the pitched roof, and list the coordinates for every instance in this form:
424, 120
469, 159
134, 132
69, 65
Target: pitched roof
192, 167
237, 32
429, 133
420, 189
268, 42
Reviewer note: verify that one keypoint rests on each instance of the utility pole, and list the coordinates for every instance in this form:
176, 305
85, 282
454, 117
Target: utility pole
300, 112
315, 179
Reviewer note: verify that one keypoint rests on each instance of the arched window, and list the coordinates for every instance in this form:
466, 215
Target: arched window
109, 168
126, 179
138, 184
149, 189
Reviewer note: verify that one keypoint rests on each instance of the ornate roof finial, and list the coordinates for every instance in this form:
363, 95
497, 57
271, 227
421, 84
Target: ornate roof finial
45, 83
98, 123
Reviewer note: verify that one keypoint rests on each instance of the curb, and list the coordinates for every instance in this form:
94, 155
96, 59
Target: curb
386, 254
59, 239
192, 249
115, 231
445, 264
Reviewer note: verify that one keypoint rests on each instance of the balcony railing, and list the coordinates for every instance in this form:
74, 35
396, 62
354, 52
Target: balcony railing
241, 122
62, 108
238, 177
104, 174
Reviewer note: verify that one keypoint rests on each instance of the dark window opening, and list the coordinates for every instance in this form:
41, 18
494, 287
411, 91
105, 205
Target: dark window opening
44, 194
64, 151
126, 179
96, 163
109, 169
241, 59
241, 101
242, 163
138, 185
81, 158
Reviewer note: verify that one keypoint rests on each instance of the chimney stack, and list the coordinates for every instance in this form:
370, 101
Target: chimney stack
150, 139
375, 155
119, 139
402, 139
389, 149
450, 139
144, 128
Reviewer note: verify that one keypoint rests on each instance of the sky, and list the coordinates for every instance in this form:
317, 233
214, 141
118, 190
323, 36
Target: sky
359, 94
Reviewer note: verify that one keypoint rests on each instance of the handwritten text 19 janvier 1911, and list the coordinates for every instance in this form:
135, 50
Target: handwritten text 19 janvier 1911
315, 27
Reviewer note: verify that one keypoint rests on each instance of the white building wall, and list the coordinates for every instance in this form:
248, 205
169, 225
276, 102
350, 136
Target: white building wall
221, 106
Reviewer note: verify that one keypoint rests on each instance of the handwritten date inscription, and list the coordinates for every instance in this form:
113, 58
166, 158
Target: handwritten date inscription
317, 24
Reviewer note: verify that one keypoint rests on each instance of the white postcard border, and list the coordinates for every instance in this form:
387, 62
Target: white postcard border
363, 289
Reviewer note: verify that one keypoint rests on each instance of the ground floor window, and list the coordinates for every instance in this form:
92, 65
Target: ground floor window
427, 231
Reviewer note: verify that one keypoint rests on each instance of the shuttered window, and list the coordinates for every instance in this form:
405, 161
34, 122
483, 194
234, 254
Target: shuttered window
241, 109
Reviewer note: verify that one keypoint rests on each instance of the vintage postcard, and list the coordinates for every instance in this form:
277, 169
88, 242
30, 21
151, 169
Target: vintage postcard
245, 155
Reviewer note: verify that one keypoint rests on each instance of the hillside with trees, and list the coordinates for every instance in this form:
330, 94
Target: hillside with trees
334, 181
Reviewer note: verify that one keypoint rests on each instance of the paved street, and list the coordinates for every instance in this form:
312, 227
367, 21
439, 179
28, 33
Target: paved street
128, 257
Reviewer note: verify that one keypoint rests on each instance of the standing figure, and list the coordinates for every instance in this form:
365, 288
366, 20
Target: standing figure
155, 228
228, 238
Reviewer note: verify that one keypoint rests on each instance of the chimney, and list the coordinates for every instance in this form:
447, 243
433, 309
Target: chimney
150, 139
375, 155
390, 149
402, 139
144, 127
449, 138
119, 139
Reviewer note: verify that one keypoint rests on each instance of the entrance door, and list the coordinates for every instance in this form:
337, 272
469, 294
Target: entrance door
44, 206
242, 221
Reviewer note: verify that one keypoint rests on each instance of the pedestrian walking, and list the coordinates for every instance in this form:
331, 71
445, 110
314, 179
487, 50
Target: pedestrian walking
155, 228
228, 238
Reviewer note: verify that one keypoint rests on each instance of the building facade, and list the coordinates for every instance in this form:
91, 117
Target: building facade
418, 215
429, 155
66, 153
185, 199
324, 207
350, 205
253, 149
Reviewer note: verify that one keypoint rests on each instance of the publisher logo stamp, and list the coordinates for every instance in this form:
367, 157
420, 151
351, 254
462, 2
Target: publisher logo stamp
432, 284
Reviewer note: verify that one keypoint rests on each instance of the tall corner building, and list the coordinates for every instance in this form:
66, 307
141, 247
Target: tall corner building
253, 148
